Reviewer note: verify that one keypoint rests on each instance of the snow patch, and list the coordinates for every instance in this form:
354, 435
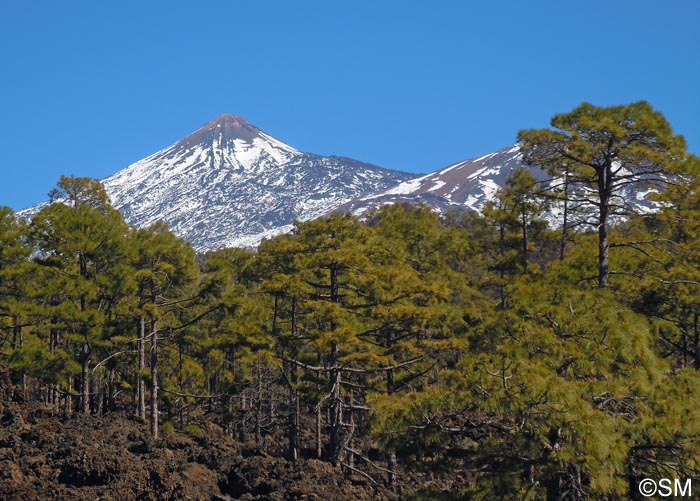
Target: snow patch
437, 186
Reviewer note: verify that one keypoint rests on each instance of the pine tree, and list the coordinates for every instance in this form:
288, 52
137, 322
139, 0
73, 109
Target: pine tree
664, 262
280, 275
165, 270
240, 343
15, 270
604, 150
81, 250
408, 316
516, 214
331, 259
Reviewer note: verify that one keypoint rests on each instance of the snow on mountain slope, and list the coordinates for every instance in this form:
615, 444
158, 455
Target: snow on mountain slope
466, 184
469, 184
230, 184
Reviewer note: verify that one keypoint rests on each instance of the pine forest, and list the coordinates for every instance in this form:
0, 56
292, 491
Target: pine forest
545, 348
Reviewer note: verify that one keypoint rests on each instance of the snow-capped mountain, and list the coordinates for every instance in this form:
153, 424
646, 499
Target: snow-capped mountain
230, 184
467, 184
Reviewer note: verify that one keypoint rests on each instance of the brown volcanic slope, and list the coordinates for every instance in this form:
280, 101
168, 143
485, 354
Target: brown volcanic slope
228, 127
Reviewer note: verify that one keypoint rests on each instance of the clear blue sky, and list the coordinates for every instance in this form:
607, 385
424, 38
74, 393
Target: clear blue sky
88, 87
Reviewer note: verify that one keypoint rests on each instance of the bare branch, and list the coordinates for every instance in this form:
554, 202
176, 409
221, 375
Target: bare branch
360, 472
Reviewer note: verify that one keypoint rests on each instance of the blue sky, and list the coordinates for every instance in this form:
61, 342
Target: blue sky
89, 87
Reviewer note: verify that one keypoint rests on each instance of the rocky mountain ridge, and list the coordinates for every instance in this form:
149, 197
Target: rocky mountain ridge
467, 184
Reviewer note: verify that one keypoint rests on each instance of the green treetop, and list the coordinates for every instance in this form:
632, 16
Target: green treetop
602, 150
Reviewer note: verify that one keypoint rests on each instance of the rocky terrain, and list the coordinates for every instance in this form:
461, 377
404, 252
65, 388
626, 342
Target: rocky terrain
46, 455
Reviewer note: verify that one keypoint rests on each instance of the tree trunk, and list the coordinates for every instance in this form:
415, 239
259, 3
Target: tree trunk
85, 379
603, 247
604, 209
15, 337
96, 396
391, 460
523, 222
319, 444
241, 423
20, 342
501, 265
69, 397
258, 405
349, 440
696, 342
293, 420
141, 384
293, 417
110, 406
270, 397
154, 380
565, 225
335, 417
319, 441
53, 345
684, 345
336, 409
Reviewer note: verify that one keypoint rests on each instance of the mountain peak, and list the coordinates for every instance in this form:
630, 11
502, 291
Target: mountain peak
223, 128
229, 183
229, 120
